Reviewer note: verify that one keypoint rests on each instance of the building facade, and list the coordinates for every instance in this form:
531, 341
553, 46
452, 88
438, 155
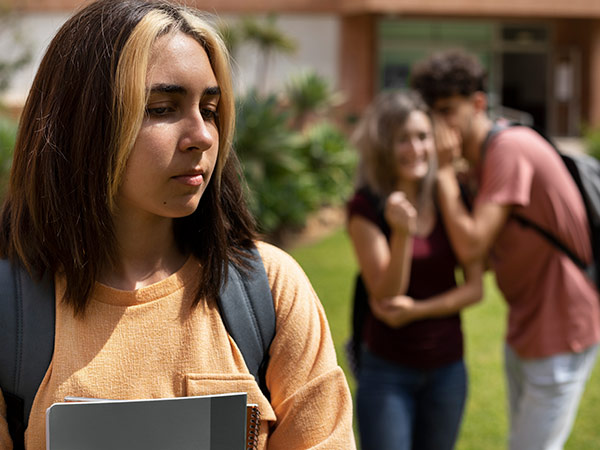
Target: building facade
543, 56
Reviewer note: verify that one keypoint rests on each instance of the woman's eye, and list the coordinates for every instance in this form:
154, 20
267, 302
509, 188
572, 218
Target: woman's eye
157, 111
209, 114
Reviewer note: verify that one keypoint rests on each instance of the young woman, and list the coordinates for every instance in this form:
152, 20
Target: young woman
125, 190
411, 379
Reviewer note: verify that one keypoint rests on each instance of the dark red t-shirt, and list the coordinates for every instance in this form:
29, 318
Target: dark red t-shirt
426, 343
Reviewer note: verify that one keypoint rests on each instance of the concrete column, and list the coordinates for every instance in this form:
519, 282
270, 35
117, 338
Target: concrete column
357, 62
594, 78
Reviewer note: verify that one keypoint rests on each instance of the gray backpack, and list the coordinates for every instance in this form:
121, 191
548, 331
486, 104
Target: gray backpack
27, 317
585, 171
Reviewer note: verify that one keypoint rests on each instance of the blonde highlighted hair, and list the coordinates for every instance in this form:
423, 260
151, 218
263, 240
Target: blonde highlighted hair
130, 101
78, 126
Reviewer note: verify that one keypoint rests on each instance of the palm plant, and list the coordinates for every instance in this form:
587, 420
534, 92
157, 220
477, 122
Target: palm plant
331, 161
18, 55
266, 147
232, 37
309, 94
8, 134
592, 141
269, 40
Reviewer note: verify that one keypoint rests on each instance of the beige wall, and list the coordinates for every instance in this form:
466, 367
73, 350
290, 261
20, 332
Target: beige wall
510, 8
357, 62
344, 32
594, 75
317, 37
220, 6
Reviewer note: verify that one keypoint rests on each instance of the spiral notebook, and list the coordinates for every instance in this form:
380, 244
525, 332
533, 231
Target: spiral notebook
213, 422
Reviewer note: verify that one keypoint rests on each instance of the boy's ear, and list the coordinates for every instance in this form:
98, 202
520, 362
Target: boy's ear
480, 101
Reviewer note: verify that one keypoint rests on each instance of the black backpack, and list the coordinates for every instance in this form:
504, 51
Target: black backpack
585, 171
27, 318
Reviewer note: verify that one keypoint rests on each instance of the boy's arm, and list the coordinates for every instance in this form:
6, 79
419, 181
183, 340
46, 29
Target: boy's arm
471, 234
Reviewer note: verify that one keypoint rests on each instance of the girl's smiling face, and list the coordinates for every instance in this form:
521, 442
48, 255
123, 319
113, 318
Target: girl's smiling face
175, 152
414, 147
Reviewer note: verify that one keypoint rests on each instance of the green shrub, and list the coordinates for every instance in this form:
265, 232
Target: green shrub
592, 141
330, 160
309, 95
269, 159
8, 134
289, 174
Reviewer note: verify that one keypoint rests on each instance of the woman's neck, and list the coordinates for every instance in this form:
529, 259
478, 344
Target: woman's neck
146, 253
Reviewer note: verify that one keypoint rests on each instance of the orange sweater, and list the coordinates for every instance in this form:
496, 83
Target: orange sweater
149, 343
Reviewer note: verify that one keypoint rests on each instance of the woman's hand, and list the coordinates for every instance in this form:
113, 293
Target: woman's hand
400, 214
395, 311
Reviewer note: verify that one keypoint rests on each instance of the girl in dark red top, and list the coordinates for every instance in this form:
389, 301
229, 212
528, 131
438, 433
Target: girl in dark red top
412, 378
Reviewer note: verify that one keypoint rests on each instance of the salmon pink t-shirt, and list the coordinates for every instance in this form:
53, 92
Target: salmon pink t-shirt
553, 307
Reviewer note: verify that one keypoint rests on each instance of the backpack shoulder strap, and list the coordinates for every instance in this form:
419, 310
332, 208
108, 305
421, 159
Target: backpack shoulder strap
27, 317
496, 128
585, 171
247, 310
26, 340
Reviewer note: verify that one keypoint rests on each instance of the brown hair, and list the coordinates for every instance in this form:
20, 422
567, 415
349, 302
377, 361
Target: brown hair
444, 74
374, 138
78, 126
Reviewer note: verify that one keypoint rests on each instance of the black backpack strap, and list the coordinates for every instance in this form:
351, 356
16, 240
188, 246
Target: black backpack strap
360, 310
247, 310
552, 239
27, 318
26, 342
574, 165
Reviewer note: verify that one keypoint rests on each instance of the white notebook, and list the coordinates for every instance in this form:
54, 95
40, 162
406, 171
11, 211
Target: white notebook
214, 422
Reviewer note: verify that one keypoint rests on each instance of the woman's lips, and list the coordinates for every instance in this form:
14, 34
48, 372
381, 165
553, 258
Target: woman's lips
195, 179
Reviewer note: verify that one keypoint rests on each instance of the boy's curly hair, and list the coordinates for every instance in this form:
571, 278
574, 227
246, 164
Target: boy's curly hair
444, 74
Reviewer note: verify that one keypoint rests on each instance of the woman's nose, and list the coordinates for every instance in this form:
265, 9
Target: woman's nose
198, 132
414, 145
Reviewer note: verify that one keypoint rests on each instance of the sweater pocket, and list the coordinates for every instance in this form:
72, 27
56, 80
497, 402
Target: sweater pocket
211, 383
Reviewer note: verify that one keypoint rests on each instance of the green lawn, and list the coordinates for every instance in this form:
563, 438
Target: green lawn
331, 266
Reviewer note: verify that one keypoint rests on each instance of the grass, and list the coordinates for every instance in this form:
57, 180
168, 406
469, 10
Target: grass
331, 267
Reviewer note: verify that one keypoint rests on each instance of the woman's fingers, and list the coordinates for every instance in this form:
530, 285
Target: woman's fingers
400, 214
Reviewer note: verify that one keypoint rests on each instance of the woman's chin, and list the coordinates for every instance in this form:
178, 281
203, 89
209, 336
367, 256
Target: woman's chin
414, 173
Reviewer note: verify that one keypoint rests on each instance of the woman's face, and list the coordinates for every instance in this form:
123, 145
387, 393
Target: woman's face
176, 150
414, 147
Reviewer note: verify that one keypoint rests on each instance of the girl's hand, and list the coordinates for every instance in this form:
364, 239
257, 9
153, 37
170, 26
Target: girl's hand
395, 311
448, 142
400, 214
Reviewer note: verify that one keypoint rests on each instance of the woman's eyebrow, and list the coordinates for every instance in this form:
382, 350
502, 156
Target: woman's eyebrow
212, 91
164, 88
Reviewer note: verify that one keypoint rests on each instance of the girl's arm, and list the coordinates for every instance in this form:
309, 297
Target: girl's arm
385, 267
397, 311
